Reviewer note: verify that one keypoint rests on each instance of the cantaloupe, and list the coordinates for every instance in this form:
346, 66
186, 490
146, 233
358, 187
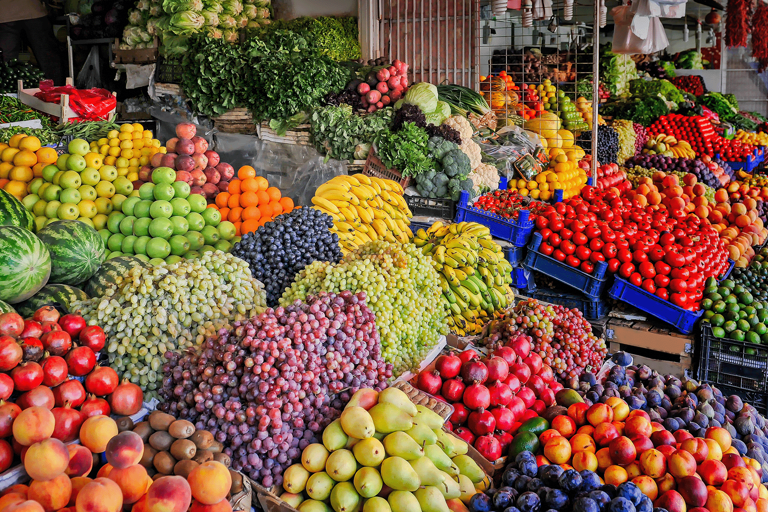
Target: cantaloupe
555, 142
547, 124
567, 138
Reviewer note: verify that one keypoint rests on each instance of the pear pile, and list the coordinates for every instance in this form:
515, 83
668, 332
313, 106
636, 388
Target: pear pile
384, 454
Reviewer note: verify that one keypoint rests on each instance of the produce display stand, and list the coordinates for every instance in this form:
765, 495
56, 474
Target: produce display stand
237, 120
60, 110
298, 136
374, 167
136, 56
442, 208
516, 232
752, 162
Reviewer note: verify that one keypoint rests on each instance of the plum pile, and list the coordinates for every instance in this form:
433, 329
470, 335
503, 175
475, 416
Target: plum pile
607, 144
670, 164
727, 168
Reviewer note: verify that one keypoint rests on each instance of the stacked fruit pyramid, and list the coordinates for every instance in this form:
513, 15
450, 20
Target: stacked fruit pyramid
128, 149
22, 160
364, 209
474, 275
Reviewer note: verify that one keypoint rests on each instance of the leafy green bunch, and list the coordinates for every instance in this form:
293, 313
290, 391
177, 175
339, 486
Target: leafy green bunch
339, 133
405, 150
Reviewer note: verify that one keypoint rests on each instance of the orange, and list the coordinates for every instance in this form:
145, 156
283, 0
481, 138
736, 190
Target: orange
46, 155
277, 208
266, 211
248, 185
5, 169
287, 204
234, 187
249, 226
245, 172
3, 145
21, 173
25, 157
8, 154
17, 188
263, 183
249, 198
234, 214
263, 197
221, 199
274, 193
237, 228
15, 140
224, 213
251, 212
30, 143
234, 201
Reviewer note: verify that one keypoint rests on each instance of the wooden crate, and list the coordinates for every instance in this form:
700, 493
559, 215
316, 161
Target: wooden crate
664, 350
60, 110
298, 136
237, 120
138, 56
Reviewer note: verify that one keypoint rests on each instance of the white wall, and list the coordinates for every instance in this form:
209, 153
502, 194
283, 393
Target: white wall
289, 9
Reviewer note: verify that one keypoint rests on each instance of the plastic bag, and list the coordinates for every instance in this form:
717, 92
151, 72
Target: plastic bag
90, 75
91, 104
513, 152
635, 33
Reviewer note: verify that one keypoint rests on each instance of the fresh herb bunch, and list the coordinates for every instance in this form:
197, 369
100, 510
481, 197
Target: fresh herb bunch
335, 38
351, 98
409, 113
719, 104
405, 150
340, 133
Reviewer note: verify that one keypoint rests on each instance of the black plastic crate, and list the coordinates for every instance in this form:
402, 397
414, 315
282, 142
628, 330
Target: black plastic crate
440, 208
736, 367
169, 71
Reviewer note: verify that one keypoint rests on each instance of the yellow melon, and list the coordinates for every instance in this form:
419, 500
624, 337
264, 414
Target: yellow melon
543, 143
555, 142
567, 137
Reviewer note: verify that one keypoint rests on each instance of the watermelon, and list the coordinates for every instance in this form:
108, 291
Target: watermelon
110, 272
13, 213
6, 308
25, 264
51, 294
77, 250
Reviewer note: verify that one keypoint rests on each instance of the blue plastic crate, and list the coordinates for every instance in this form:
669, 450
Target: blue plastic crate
728, 272
682, 319
514, 255
516, 232
415, 225
591, 285
522, 279
752, 162
590, 307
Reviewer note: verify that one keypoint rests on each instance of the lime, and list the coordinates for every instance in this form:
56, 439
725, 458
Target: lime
737, 335
732, 299
743, 325
713, 295
717, 320
760, 328
710, 282
729, 326
718, 332
718, 306
746, 298
752, 337
706, 304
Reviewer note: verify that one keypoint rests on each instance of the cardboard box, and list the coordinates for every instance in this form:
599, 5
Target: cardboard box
667, 352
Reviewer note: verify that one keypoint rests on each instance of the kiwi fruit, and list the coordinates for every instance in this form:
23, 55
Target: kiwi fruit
181, 429
160, 420
202, 456
144, 430
148, 456
161, 440
125, 423
183, 449
184, 467
223, 458
216, 447
237, 482
164, 463
202, 439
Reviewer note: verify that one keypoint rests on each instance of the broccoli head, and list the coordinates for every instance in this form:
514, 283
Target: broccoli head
456, 163
439, 147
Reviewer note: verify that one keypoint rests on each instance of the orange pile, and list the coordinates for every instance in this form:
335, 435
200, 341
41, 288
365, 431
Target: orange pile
21, 161
250, 202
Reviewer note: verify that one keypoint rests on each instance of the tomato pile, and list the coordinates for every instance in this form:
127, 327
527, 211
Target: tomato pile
508, 204
701, 135
611, 175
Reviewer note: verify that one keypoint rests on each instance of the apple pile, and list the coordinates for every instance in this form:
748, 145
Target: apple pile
383, 85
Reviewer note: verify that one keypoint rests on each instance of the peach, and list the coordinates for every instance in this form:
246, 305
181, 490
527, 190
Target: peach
141, 505
633, 470
619, 427
605, 433
46, 460
131, 480
713, 472
599, 413
584, 460
662, 437
96, 432
749, 506
666, 483
615, 475
682, 435
715, 451
33, 425
16, 489
100, 495
12, 499
104, 471
222, 506
80, 460
582, 443
693, 491
578, 412
718, 501
742, 474
125, 449
637, 426
762, 505
565, 425
733, 460
653, 463
696, 447
557, 450
647, 486
672, 501
642, 443
587, 430
547, 435
622, 451
78, 482
210, 481
603, 458
639, 412
25, 506
170, 494
737, 491
52, 494
681, 464
762, 492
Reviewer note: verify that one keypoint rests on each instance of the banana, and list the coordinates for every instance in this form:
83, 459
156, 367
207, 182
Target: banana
362, 193
391, 226
449, 295
474, 299
362, 178
487, 276
460, 274
455, 309
489, 244
362, 238
364, 213
337, 195
469, 285
325, 204
426, 249
452, 262
468, 270
439, 254
443, 283
343, 226
442, 232
450, 276
381, 228
351, 180
394, 187
374, 184
434, 227
372, 234
458, 255
335, 216
481, 286
378, 213
462, 293
339, 204
349, 215
501, 298
402, 226
328, 187
469, 315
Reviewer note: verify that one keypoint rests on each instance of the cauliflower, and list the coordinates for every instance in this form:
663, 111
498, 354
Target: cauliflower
461, 125
485, 177
472, 150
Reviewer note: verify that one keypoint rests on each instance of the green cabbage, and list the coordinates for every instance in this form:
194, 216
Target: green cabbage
231, 36
227, 21
241, 20
176, 6
213, 32
250, 11
213, 5
174, 45
186, 23
423, 95
444, 110
232, 7
211, 18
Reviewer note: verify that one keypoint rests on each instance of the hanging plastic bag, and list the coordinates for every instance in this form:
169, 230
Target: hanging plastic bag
624, 40
657, 37
90, 75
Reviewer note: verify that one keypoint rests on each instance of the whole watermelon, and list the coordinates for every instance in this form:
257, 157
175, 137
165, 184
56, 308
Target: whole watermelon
77, 250
13, 213
51, 294
111, 273
6, 308
25, 264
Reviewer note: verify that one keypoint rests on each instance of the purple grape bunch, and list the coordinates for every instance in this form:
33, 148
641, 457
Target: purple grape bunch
641, 137
264, 388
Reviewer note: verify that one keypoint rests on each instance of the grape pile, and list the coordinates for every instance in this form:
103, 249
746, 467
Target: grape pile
627, 140
685, 165
641, 137
403, 287
168, 307
278, 250
263, 388
607, 144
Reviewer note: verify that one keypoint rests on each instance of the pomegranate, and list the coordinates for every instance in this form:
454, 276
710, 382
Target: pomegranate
465, 434
513, 383
57, 343
41, 396
50, 326
504, 418
521, 345
500, 393
504, 439
517, 407
102, 381
126, 399
93, 337
11, 324
71, 391
477, 396
453, 389
55, 370
548, 397
547, 374
27, 376
80, 361
46, 314
537, 384
32, 329
498, 369
474, 371
527, 396
534, 362
72, 324
68, 421
8, 413
507, 354
10, 353
460, 414
448, 426
521, 371
489, 447
94, 406
448, 366
481, 422
429, 381
32, 349
6, 386
468, 355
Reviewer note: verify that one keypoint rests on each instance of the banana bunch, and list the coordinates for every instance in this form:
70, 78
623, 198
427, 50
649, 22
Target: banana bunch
668, 144
755, 139
683, 149
474, 275
364, 209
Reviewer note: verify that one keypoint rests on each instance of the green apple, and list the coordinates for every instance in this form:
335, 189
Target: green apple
114, 254
113, 221
179, 244
34, 185
61, 163
196, 221
182, 189
128, 205
163, 191
88, 193
207, 248
146, 191
40, 223
51, 193
57, 177
210, 234
141, 226
39, 208
78, 147
211, 216
164, 175
126, 225
70, 179
108, 172
105, 234
223, 246
68, 211
99, 221
141, 209
87, 209
180, 206
52, 209
197, 203
49, 171
161, 209
104, 205
70, 195
90, 176
115, 242
105, 189
142, 257
85, 220
158, 248
140, 246
180, 225
117, 201
30, 200
50, 221
76, 163
227, 230
161, 228
170, 260
43, 188
123, 185
191, 255
128, 244
196, 240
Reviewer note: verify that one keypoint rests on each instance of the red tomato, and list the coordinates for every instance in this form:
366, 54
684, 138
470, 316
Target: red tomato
662, 293
680, 273
636, 279
567, 247
622, 244
592, 231
555, 224
649, 286
624, 255
546, 249
661, 280
609, 250
596, 256
541, 222
573, 261
647, 270
667, 239
582, 252
626, 269
558, 255
679, 299
656, 253
662, 268
613, 265
596, 244
678, 285
566, 233
545, 233
640, 257
554, 240
580, 238
674, 259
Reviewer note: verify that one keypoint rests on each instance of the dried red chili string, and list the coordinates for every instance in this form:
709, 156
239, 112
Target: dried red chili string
737, 19
760, 44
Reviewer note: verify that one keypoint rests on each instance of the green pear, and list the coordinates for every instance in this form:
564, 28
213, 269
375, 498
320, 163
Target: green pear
377, 505
399, 475
314, 506
459, 445
341, 465
428, 473
397, 398
467, 488
313, 457
334, 437
402, 445
428, 418
469, 467
344, 498
431, 500
422, 434
445, 442
365, 398
450, 489
369, 452
295, 478
319, 486
293, 500
440, 459
389, 418
403, 501
368, 482
357, 423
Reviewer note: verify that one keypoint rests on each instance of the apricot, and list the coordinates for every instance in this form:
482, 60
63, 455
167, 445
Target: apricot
33, 425
599, 413
100, 495
222, 506
80, 460
547, 435
582, 443
696, 447
603, 458
25, 506
672, 501
605, 433
622, 451
742, 474
642, 443
131, 480
96, 432
557, 450
565, 425
620, 408
578, 412
125, 449
78, 482
615, 475
52, 494
210, 481
713, 472
681, 464
170, 494
666, 483
46, 460
584, 460
588, 430
715, 452
718, 501
104, 471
